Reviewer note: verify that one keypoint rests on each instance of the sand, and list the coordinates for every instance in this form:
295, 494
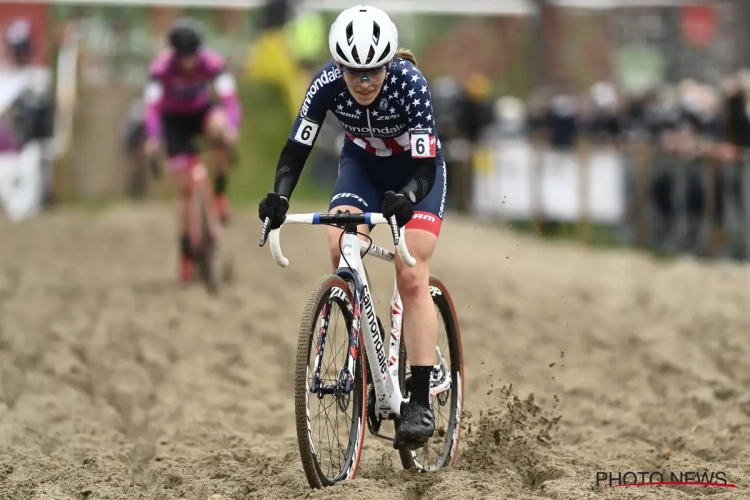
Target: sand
118, 383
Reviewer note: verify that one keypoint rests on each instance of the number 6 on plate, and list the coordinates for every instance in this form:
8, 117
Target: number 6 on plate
423, 145
306, 132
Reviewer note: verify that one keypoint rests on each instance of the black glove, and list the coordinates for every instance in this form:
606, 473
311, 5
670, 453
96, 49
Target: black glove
274, 207
399, 205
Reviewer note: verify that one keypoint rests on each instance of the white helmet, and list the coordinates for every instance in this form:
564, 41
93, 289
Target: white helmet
363, 37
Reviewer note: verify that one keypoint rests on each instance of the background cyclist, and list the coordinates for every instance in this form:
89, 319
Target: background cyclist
390, 161
179, 107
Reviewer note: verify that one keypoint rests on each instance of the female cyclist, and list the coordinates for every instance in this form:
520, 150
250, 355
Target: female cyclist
390, 161
177, 98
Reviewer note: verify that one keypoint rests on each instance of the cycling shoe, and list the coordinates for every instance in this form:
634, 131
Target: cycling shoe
416, 428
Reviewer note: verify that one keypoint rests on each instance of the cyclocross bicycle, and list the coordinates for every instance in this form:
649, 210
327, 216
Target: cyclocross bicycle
341, 387
203, 224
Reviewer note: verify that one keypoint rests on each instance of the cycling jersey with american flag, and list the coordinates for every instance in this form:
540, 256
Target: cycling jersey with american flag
386, 126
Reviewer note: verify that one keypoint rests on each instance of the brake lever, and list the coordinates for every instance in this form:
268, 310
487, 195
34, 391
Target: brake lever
264, 232
394, 230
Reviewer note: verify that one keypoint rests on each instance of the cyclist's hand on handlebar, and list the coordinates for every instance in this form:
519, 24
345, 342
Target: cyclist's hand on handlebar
399, 205
274, 207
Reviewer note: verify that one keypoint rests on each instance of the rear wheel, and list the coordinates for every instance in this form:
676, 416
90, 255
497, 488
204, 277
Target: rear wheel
330, 407
447, 405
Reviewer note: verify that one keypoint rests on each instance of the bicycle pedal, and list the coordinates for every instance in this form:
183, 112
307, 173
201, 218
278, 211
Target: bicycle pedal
405, 444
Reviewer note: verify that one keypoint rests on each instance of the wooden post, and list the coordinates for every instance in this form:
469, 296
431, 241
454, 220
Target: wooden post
710, 165
583, 157
535, 179
642, 158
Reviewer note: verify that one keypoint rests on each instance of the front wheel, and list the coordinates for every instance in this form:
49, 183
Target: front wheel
207, 253
446, 387
330, 385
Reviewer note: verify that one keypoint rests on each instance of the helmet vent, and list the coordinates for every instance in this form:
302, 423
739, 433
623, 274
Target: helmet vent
370, 55
350, 34
385, 52
341, 53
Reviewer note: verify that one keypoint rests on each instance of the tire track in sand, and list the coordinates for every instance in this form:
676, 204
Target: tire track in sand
117, 383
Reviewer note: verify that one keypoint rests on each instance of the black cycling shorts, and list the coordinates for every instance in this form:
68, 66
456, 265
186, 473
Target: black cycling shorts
181, 130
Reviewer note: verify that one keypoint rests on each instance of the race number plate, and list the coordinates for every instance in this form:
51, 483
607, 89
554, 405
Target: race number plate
423, 145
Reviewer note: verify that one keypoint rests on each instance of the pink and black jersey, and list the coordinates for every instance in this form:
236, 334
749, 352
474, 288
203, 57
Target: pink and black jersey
172, 92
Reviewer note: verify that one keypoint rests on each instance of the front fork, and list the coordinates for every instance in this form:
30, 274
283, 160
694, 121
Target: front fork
345, 380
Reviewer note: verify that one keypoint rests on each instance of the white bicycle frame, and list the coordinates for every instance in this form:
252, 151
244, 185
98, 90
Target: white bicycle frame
383, 366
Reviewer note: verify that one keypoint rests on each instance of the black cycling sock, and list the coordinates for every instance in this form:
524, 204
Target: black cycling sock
185, 249
420, 385
220, 184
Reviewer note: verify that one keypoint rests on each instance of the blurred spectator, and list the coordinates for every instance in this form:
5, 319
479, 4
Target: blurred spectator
538, 111
445, 92
605, 121
19, 42
474, 115
737, 122
275, 14
475, 109
31, 115
562, 120
446, 97
510, 115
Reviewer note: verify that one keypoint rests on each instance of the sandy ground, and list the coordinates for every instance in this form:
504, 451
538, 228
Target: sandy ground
116, 383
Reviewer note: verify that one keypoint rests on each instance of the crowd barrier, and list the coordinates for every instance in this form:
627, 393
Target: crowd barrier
646, 196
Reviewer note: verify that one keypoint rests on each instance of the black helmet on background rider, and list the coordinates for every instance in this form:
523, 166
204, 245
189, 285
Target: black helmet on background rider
18, 39
185, 36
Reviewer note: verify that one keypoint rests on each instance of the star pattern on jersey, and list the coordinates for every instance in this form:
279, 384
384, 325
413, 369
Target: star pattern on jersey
415, 95
404, 92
